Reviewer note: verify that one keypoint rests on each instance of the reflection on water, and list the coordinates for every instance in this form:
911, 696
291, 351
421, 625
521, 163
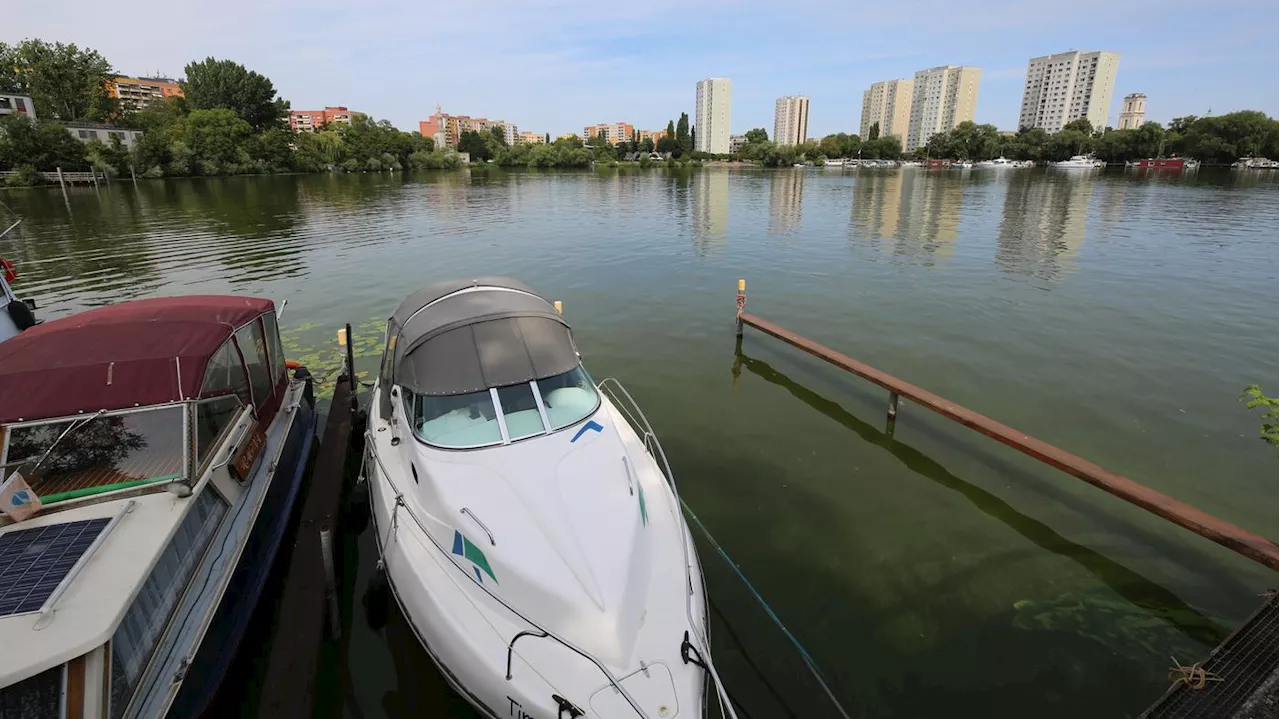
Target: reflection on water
914, 213
1043, 224
929, 574
786, 193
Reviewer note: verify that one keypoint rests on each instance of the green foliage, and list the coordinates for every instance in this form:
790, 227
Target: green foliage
474, 144
1226, 138
841, 145
27, 176
435, 159
562, 153
213, 84
756, 135
684, 141
1253, 398
112, 158
874, 132
499, 135
64, 81
42, 145
887, 147
216, 140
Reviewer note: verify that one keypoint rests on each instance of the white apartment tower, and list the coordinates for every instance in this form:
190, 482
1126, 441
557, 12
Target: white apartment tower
791, 120
942, 98
1068, 86
1133, 112
711, 115
889, 104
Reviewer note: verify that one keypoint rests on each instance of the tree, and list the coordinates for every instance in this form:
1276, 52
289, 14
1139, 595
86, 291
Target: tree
213, 84
971, 141
874, 132
1255, 399
499, 134
646, 145
684, 141
43, 145
1080, 124
64, 81
473, 143
1225, 138
757, 134
1180, 125
547, 138
215, 140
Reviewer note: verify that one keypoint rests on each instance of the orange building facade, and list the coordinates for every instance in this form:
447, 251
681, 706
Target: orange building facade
446, 129
654, 135
615, 131
139, 93
316, 120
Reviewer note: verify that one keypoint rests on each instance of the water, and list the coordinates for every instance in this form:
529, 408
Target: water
1116, 316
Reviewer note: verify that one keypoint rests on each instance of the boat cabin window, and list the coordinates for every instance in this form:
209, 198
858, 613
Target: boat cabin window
92, 454
253, 346
273, 346
37, 697
226, 374
215, 417
474, 419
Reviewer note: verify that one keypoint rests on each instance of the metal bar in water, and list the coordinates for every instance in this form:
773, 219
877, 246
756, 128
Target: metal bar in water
1255, 547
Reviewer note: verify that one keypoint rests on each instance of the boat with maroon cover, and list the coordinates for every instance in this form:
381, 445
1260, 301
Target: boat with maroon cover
152, 453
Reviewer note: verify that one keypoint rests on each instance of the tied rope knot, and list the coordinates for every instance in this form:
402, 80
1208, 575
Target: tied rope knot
1193, 676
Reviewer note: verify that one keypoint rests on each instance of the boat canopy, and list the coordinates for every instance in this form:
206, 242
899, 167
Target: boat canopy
135, 354
466, 336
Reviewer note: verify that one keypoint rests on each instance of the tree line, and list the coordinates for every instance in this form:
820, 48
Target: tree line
230, 121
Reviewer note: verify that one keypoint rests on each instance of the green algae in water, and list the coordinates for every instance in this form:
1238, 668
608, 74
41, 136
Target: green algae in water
316, 348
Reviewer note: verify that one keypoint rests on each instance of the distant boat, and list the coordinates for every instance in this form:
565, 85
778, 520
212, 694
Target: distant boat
911, 163
835, 163
798, 164
997, 163
1164, 163
962, 164
1255, 163
1077, 162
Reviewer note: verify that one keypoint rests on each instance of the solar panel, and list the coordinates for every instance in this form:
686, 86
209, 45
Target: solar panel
33, 562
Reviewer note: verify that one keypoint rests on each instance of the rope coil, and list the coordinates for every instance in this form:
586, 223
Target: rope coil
1194, 676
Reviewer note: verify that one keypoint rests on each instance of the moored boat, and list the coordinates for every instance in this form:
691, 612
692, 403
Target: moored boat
1077, 162
16, 314
1164, 163
152, 453
1255, 163
527, 520
997, 163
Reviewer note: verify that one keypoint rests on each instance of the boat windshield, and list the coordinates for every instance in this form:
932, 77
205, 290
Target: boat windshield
503, 414
94, 454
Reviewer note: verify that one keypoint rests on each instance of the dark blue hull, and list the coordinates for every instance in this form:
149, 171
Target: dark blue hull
222, 640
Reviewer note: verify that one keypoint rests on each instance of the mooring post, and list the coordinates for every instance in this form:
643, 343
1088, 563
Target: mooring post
891, 418
742, 302
61, 182
330, 583
93, 172
351, 369
133, 175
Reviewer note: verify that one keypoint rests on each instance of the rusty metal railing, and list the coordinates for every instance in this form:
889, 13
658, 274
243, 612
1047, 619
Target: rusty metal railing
1255, 547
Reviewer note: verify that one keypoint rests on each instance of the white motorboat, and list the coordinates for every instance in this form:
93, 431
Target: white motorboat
834, 163
999, 162
15, 314
1077, 162
962, 164
910, 163
1255, 163
526, 517
151, 453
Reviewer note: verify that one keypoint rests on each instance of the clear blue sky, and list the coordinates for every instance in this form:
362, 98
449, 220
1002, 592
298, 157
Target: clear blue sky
556, 65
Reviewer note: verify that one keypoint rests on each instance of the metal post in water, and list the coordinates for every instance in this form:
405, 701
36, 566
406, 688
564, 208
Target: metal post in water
351, 369
330, 583
892, 415
93, 172
133, 175
61, 182
742, 302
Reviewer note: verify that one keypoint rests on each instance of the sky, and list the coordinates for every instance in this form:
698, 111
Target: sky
557, 65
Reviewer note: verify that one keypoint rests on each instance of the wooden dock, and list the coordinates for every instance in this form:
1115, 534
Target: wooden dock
290, 687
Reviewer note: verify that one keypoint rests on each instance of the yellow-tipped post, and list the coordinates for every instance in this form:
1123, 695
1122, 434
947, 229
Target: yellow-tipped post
742, 302
559, 306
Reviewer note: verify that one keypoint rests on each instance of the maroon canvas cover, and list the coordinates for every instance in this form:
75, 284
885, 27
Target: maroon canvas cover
130, 354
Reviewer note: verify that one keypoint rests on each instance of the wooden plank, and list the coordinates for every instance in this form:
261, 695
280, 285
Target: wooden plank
1253, 546
288, 692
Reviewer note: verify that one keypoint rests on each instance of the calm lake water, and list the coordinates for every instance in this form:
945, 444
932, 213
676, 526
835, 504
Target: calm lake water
936, 572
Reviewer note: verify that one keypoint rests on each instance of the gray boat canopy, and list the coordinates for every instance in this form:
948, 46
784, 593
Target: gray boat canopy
467, 336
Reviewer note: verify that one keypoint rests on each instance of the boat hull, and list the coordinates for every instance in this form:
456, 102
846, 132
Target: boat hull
218, 648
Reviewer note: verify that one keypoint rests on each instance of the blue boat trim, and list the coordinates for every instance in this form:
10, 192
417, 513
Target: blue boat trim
591, 424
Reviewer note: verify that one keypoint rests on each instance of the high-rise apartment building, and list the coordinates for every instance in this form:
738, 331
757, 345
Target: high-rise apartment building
711, 115
615, 132
888, 104
1133, 112
315, 120
942, 97
139, 93
791, 120
1068, 86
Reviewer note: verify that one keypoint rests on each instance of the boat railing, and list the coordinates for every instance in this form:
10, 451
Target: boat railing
541, 631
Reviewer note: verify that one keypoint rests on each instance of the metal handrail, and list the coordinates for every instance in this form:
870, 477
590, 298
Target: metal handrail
616, 392
614, 681
467, 511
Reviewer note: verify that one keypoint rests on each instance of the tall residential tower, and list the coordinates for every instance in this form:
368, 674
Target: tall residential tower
887, 103
791, 120
711, 115
942, 98
1068, 86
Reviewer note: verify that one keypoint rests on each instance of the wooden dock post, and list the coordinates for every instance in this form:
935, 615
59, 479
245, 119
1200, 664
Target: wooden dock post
93, 172
742, 302
61, 182
891, 418
132, 175
330, 583
1255, 547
